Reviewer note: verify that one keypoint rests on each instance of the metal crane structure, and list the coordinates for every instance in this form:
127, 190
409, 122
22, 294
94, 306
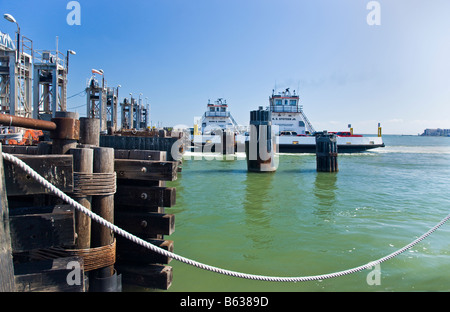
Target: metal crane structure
135, 115
16, 62
50, 83
33, 84
102, 102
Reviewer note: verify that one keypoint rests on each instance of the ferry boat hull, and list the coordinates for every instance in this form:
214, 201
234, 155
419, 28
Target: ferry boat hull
307, 149
291, 145
345, 144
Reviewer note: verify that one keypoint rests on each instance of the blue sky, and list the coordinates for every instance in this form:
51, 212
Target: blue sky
180, 53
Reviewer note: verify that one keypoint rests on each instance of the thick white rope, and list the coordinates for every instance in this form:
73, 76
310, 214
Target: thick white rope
166, 253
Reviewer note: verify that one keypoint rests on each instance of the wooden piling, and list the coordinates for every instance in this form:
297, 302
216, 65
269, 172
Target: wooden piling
326, 152
90, 131
228, 143
7, 283
47, 235
83, 162
103, 206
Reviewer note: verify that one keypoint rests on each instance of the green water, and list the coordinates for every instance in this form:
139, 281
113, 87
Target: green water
297, 222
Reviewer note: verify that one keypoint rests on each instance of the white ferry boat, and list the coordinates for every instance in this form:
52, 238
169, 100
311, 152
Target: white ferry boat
207, 133
217, 117
296, 133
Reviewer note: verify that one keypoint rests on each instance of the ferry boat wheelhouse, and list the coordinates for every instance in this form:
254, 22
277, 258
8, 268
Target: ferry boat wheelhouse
296, 133
217, 117
207, 134
287, 114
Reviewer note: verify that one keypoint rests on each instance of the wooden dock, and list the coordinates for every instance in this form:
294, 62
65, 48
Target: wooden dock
45, 243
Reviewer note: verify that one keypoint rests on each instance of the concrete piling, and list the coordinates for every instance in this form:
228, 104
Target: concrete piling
260, 148
326, 152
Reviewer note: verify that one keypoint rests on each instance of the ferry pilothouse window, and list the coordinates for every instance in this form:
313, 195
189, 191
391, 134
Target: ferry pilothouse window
293, 102
279, 102
211, 109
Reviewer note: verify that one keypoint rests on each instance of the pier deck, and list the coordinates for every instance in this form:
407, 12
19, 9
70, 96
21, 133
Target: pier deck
50, 241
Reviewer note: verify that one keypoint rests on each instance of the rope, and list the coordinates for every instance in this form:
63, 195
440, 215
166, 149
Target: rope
166, 253
93, 258
92, 184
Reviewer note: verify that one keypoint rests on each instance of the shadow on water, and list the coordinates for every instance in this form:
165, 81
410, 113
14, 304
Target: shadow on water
325, 192
257, 216
207, 171
297, 171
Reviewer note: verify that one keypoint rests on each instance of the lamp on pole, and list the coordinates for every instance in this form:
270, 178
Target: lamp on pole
115, 106
130, 112
147, 112
11, 19
67, 58
117, 91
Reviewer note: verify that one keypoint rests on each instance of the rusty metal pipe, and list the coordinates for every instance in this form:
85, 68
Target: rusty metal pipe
28, 123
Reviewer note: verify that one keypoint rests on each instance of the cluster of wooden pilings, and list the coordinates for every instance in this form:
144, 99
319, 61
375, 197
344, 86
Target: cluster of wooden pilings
51, 243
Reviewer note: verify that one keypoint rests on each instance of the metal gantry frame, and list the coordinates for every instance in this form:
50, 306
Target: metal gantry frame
127, 114
112, 98
33, 83
96, 95
49, 84
135, 115
16, 76
102, 102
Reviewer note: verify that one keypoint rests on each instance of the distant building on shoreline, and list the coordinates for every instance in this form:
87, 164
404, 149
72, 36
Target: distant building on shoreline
436, 132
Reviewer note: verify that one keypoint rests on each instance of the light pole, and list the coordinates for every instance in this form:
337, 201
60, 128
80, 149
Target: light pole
147, 112
116, 109
11, 19
140, 111
117, 91
103, 77
130, 113
67, 58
